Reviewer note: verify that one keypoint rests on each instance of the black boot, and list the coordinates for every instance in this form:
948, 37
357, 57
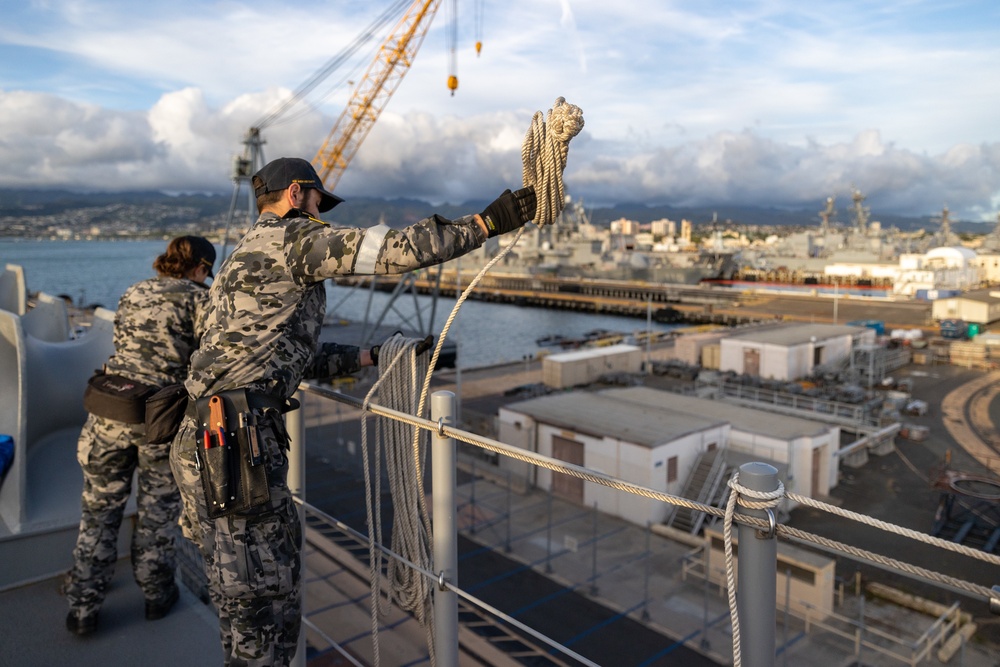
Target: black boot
157, 610
81, 625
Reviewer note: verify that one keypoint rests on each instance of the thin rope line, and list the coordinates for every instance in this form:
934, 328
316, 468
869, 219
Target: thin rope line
396, 386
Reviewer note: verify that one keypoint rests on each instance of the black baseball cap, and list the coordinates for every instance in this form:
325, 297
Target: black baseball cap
202, 250
278, 174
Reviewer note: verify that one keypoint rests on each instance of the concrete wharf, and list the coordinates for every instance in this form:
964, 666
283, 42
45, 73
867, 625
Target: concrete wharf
693, 304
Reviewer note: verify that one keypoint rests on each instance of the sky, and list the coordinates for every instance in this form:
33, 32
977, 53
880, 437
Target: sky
777, 103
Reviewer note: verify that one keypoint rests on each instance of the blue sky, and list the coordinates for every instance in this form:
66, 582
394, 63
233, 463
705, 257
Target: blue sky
766, 102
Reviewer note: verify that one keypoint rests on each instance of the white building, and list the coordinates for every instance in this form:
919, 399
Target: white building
806, 448
654, 439
945, 268
792, 351
989, 267
580, 367
625, 439
980, 306
663, 227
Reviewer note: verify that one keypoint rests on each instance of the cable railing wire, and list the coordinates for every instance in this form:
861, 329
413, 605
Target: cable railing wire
435, 580
783, 530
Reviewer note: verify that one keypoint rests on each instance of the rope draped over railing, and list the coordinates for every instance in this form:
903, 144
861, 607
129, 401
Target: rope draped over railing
543, 157
397, 385
750, 499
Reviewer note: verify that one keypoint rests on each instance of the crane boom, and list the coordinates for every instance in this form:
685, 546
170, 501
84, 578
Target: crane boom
369, 98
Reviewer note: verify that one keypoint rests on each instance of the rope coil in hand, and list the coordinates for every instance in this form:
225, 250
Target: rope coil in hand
543, 157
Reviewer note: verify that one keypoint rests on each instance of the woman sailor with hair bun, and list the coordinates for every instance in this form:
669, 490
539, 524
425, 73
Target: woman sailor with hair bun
157, 326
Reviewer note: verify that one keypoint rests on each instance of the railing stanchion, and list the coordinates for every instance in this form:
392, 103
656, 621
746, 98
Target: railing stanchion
757, 579
445, 529
295, 425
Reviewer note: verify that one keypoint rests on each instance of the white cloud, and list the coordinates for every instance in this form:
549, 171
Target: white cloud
769, 101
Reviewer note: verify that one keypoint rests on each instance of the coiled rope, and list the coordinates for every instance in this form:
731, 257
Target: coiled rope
543, 158
396, 387
750, 499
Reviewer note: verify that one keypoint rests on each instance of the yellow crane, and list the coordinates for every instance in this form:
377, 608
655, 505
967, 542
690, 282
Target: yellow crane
391, 63
370, 96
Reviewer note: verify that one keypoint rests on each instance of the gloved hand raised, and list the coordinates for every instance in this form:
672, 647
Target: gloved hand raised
509, 211
424, 345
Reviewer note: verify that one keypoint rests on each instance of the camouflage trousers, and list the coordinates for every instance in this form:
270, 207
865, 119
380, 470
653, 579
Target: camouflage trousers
252, 561
110, 452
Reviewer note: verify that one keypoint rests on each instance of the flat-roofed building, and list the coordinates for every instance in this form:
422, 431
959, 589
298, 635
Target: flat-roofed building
624, 439
656, 439
792, 351
808, 449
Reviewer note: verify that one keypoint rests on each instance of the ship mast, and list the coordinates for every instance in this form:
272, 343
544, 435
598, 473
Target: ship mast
861, 213
826, 215
944, 231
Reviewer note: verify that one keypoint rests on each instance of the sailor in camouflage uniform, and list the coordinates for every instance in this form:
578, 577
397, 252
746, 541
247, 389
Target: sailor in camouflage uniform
157, 326
266, 309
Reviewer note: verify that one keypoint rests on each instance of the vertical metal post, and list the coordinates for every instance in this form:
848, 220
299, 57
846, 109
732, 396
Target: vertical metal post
645, 586
649, 333
445, 529
593, 559
758, 576
784, 621
548, 538
472, 500
705, 643
458, 344
507, 546
295, 425
860, 647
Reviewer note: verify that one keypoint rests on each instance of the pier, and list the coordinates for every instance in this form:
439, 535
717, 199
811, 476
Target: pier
691, 304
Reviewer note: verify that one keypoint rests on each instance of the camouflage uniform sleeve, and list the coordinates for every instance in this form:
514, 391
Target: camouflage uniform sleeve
200, 313
333, 360
316, 251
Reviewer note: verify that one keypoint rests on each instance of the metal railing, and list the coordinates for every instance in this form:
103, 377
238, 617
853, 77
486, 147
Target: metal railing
757, 602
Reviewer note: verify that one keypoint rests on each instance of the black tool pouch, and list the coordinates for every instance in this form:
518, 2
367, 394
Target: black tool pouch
115, 397
233, 473
164, 413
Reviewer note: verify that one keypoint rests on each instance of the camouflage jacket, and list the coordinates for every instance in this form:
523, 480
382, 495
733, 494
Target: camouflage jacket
157, 326
268, 300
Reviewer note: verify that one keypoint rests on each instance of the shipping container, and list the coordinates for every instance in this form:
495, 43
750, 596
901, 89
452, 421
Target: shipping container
877, 325
955, 329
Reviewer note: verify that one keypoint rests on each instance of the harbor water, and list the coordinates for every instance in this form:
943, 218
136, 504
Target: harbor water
99, 272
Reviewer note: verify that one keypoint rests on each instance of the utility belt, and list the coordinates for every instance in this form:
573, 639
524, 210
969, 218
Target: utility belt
230, 450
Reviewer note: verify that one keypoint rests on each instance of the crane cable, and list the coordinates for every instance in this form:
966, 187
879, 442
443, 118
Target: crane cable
543, 156
333, 64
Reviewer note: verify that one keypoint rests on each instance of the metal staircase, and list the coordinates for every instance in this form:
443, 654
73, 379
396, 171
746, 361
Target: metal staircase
704, 485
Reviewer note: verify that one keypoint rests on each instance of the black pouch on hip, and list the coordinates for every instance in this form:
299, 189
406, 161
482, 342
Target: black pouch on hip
233, 473
164, 413
116, 397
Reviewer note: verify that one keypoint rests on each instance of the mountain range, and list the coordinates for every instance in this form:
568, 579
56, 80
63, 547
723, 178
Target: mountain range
23, 205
